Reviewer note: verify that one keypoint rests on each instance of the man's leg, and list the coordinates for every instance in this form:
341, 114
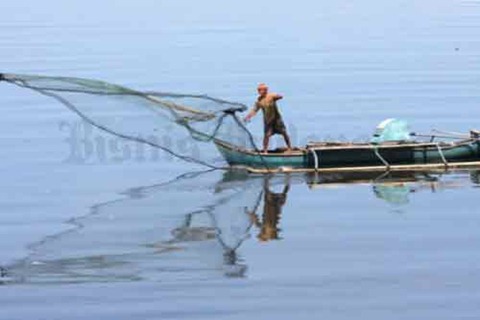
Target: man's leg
266, 140
287, 140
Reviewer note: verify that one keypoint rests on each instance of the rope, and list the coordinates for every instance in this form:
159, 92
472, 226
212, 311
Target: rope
205, 115
442, 155
381, 177
315, 158
252, 140
385, 162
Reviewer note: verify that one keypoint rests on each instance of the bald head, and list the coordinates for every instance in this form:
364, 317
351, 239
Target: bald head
262, 89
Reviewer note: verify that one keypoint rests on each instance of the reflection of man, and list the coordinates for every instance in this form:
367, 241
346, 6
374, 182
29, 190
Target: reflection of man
475, 177
272, 210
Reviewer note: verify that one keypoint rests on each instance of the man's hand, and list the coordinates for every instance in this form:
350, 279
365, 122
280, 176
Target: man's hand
249, 116
277, 96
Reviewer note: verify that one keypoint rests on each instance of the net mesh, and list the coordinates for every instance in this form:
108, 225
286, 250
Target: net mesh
178, 124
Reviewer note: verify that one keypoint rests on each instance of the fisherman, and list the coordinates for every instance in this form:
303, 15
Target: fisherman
272, 119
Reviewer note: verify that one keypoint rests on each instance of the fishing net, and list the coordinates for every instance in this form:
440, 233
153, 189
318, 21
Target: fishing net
178, 124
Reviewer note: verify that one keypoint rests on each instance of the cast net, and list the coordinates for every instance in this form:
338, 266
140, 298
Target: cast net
185, 126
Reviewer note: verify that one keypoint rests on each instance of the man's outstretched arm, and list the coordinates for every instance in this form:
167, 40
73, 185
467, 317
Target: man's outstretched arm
277, 96
251, 114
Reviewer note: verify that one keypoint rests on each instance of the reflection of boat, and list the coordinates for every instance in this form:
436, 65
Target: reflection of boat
369, 177
139, 237
338, 156
392, 187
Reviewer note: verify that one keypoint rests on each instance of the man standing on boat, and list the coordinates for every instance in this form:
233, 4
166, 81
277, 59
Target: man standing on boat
272, 119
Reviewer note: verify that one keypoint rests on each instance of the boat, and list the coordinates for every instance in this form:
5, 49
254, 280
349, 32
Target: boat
350, 156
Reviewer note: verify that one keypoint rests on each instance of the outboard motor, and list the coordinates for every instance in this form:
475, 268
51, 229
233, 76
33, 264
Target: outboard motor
391, 130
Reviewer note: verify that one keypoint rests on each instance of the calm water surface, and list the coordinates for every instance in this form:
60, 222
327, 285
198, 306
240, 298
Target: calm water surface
117, 238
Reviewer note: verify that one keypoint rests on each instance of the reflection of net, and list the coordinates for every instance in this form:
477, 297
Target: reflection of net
175, 123
140, 237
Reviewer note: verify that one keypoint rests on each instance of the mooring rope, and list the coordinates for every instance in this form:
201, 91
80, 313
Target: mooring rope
315, 158
385, 162
440, 151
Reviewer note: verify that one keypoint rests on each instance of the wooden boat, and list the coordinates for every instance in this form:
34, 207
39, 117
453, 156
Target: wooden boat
341, 156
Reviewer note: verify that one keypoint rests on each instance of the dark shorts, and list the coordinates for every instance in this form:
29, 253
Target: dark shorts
275, 127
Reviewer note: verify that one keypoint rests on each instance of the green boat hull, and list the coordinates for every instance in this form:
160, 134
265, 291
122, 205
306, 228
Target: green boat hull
354, 155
